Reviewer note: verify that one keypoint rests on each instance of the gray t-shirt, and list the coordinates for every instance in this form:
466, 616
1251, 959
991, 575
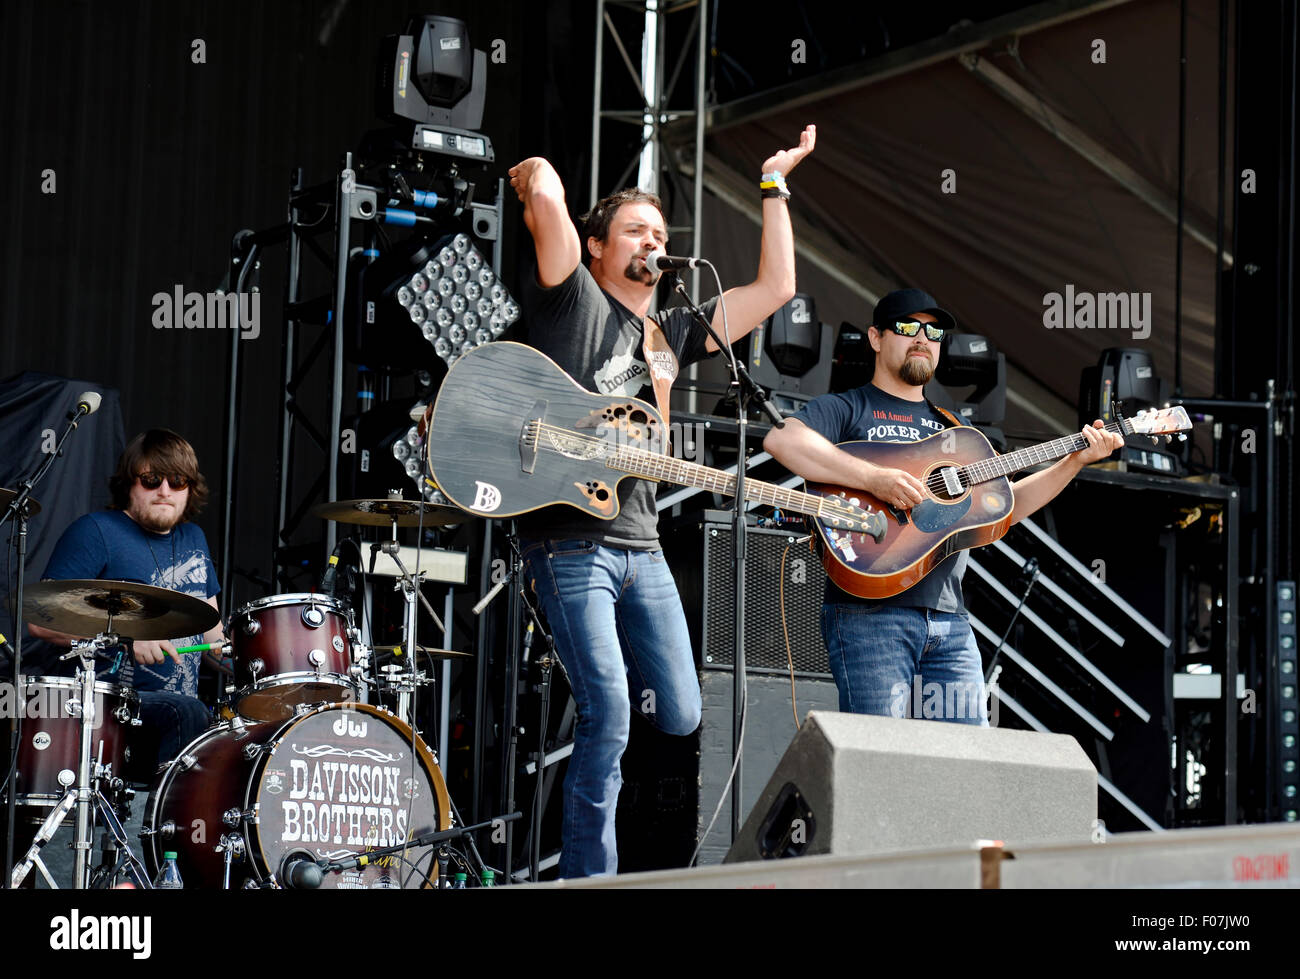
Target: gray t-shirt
598, 342
870, 414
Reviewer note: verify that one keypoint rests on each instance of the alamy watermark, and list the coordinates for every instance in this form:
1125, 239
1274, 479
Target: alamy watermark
42, 702
1098, 311
181, 310
953, 700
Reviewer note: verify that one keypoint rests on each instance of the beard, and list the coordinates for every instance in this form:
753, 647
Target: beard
158, 524
637, 271
915, 371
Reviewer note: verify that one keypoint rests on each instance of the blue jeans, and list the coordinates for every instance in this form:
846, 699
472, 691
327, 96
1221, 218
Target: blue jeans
621, 634
905, 662
176, 719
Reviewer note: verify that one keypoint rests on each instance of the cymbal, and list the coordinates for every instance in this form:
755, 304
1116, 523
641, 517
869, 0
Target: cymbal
6, 495
81, 607
381, 513
427, 650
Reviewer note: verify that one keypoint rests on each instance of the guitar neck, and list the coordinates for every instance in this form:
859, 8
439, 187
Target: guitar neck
652, 465
1013, 462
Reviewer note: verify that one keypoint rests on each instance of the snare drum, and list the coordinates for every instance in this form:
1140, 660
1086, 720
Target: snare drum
333, 781
290, 650
50, 751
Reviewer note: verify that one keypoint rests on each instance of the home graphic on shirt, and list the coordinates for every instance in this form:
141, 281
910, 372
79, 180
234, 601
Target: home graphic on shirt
624, 372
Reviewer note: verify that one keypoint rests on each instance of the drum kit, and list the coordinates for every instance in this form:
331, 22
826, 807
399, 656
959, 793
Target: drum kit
300, 784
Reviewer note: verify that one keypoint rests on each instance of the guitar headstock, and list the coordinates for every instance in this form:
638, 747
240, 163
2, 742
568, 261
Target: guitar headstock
1158, 421
840, 514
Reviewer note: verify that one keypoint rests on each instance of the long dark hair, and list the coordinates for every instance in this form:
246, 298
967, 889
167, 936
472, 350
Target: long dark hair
162, 451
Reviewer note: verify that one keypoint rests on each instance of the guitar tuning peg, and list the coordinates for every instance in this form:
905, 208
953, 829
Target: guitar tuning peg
1155, 439
1168, 439
1182, 436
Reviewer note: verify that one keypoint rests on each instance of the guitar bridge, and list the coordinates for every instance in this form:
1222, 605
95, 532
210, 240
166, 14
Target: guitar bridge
529, 435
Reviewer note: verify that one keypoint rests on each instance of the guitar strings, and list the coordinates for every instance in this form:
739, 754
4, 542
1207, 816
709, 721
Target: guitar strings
935, 482
649, 455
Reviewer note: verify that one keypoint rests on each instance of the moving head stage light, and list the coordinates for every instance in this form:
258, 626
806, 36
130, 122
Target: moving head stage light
1126, 377
431, 77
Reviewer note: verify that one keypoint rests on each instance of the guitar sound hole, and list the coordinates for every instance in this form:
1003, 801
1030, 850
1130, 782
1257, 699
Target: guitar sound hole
598, 491
638, 417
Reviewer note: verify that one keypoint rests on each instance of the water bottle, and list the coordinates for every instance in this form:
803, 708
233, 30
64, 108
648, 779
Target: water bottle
489, 878
460, 884
169, 875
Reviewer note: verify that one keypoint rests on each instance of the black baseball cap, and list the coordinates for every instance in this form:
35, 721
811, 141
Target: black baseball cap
902, 303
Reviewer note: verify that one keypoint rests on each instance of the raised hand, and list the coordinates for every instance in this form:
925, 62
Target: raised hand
786, 160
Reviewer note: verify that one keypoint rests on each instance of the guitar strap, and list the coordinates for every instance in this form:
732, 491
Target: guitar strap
661, 360
943, 413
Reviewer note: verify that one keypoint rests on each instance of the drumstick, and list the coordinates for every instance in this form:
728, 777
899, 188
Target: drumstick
203, 647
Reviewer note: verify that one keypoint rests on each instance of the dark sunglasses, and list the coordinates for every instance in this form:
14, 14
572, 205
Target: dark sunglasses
910, 328
151, 481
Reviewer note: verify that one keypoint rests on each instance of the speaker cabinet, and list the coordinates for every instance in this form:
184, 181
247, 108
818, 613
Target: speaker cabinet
781, 572
855, 784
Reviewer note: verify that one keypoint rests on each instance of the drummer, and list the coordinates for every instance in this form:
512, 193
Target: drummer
146, 536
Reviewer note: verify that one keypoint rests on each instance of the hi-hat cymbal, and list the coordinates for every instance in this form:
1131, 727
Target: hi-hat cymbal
427, 650
82, 606
6, 495
382, 513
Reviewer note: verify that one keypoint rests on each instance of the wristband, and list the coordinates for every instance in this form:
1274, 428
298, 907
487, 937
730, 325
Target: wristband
775, 181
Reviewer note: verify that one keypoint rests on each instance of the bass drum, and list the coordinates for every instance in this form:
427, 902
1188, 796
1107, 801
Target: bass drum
336, 780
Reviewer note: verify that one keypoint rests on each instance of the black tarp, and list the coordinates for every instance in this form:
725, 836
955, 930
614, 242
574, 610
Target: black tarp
33, 409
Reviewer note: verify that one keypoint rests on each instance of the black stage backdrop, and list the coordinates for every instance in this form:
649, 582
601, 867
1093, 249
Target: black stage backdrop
139, 136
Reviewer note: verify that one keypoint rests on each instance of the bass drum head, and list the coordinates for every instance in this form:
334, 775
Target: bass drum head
343, 779
334, 781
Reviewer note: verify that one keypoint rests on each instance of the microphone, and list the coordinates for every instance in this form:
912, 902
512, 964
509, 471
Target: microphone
659, 262
87, 404
301, 873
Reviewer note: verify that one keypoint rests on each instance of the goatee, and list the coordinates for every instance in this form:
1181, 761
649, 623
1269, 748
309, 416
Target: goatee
640, 273
916, 371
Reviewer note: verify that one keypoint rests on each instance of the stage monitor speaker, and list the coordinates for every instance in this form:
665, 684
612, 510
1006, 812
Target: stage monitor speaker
703, 569
856, 784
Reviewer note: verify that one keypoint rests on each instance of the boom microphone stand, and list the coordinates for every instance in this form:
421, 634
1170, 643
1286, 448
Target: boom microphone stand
22, 507
745, 388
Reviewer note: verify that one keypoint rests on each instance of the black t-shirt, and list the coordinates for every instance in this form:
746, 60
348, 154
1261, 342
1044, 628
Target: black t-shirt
599, 342
870, 414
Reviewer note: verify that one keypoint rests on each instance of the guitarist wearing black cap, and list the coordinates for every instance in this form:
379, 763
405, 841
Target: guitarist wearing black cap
910, 652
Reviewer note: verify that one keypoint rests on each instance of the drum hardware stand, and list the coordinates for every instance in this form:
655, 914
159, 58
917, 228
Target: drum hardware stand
125, 858
231, 847
410, 586
80, 792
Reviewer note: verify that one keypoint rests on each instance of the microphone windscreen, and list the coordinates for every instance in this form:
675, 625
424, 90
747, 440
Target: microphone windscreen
91, 400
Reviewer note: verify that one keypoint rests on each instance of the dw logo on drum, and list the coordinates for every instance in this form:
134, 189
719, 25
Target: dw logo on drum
344, 727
